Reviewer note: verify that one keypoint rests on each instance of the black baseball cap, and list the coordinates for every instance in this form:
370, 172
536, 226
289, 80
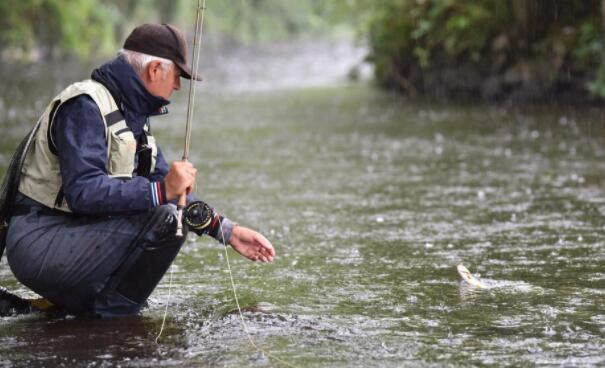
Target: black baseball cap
162, 40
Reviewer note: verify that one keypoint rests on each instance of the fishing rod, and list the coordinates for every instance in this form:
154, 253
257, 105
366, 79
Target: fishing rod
197, 39
201, 5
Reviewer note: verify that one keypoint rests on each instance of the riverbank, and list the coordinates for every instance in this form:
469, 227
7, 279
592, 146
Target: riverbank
506, 51
532, 82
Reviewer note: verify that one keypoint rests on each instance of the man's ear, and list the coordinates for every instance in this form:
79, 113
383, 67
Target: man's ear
154, 70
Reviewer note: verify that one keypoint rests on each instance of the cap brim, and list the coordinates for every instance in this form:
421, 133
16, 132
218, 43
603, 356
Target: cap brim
187, 74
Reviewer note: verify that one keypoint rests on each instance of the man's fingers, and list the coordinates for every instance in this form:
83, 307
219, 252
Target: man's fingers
267, 252
266, 245
266, 255
269, 249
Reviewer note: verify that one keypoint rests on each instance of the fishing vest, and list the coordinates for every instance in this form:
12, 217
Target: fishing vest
41, 175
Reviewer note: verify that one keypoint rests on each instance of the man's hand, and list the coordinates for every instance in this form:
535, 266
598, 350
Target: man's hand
180, 179
251, 244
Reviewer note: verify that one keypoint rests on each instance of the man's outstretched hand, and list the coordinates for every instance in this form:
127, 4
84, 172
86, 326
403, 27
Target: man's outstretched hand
251, 244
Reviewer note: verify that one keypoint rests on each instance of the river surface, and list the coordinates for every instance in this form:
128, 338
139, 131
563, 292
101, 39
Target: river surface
371, 201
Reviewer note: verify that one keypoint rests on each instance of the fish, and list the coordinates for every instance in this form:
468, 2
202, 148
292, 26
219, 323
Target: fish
468, 277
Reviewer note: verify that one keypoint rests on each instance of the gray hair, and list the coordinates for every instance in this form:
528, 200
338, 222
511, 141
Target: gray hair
139, 61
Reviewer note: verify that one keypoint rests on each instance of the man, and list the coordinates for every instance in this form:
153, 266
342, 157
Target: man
92, 227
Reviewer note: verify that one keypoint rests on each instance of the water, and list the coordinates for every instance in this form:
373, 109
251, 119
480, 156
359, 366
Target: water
371, 202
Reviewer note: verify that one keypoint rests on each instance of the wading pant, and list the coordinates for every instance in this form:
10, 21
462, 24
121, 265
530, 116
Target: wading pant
105, 265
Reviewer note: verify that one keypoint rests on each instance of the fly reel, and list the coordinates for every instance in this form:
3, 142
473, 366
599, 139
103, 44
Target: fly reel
198, 216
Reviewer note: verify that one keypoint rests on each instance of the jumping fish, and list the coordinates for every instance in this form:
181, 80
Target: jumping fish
468, 277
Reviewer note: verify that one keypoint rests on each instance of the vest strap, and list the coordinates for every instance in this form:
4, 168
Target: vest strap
113, 118
127, 129
49, 137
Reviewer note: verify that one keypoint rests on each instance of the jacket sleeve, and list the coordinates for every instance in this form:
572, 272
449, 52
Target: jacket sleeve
78, 132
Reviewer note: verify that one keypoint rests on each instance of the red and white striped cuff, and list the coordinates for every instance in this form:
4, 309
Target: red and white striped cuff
158, 193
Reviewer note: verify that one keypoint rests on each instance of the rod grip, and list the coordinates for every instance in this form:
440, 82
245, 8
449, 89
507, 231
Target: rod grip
179, 216
180, 206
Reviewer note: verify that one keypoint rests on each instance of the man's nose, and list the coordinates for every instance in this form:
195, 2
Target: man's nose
177, 84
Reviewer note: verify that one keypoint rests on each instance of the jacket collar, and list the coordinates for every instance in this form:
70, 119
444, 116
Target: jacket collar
127, 88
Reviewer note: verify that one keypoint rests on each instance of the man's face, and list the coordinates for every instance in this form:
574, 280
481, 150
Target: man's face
161, 82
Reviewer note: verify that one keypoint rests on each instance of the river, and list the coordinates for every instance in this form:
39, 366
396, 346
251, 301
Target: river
371, 201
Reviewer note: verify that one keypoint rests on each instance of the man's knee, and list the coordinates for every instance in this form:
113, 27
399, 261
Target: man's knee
130, 287
129, 290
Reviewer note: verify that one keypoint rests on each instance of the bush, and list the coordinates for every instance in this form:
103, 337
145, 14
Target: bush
536, 47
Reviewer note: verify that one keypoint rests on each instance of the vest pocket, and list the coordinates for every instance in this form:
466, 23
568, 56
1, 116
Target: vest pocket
122, 150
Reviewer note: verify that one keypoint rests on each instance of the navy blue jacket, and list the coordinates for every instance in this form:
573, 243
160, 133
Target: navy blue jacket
79, 135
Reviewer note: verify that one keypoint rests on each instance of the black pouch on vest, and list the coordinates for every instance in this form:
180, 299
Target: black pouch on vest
144, 156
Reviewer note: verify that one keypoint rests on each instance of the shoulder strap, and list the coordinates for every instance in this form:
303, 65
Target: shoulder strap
113, 118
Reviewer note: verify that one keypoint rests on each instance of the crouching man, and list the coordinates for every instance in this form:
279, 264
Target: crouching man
93, 227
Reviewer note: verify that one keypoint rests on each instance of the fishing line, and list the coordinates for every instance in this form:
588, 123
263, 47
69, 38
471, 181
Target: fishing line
239, 309
166, 308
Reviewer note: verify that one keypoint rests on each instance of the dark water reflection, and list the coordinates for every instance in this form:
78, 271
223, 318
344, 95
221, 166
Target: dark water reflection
44, 341
372, 202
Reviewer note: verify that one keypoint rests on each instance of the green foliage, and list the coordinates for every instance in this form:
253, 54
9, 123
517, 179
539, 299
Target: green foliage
88, 27
412, 36
590, 51
76, 26
266, 20
597, 86
589, 43
431, 33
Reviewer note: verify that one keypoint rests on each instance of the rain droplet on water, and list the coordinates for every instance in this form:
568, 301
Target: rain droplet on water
563, 120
